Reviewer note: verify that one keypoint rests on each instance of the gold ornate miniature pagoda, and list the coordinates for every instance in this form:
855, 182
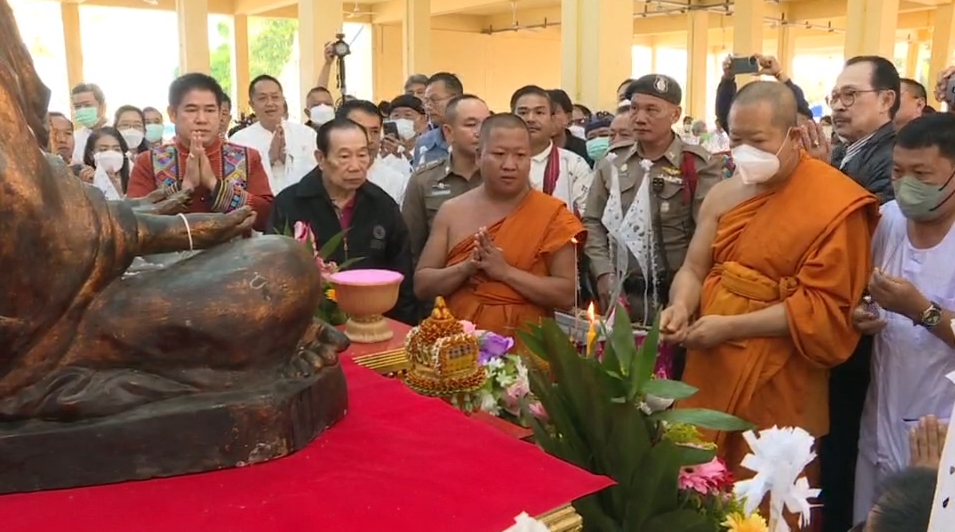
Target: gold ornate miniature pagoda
444, 358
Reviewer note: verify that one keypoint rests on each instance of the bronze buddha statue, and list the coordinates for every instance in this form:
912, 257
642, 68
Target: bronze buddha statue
87, 352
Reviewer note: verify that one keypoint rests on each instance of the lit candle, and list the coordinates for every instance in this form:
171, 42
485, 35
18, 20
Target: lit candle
592, 331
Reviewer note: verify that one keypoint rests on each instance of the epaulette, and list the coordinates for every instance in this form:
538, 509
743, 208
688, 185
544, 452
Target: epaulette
699, 151
428, 166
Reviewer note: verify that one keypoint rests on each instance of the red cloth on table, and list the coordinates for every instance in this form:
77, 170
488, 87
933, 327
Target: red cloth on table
397, 462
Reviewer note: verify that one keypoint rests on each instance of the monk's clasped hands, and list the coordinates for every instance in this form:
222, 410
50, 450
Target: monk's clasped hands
897, 295
708, 331
490, 257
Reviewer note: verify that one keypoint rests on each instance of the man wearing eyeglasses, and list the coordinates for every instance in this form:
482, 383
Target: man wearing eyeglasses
432, 146
864, 103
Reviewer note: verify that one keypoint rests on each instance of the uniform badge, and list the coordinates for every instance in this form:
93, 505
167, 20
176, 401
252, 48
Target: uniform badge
660, 84
378, 232
657, 184
664, 207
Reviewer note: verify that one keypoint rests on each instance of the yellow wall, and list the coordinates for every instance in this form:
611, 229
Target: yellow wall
490, 66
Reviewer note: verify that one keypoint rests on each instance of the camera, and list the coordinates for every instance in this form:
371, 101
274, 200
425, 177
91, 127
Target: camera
340, 48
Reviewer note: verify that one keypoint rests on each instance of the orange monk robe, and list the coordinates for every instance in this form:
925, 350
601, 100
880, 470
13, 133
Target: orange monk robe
242, 179
537, 228
807, 245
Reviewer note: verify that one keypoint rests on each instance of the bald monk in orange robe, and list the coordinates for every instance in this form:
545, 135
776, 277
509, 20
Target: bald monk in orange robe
502, 254
222, 176
779, 259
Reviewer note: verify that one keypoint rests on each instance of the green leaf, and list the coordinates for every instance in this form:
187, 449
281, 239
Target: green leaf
332, 245
621, 342
667, 389
534, 342
691, 456
654, 485
347, 263
683, 520
703, 418
646, 358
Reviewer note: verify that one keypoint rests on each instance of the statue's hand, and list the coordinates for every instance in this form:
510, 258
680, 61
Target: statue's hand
211, 229
161, 204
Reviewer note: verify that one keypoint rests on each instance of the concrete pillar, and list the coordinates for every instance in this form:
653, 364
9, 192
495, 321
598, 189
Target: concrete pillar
871, 26
697, 46
596, 49
240, 63
73, 39
943, 46
748, 28
318, 22
193, 17
912, 54
416, 37
786, 47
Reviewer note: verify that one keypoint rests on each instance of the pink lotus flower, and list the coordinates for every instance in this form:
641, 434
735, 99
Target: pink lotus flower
705, 479
469, 328
537, 410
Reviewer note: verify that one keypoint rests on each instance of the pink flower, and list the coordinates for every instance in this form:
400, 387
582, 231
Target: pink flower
303, 233
537, 410
469, 328
705, 479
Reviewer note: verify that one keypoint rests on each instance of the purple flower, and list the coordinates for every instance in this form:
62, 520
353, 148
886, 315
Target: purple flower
494, 346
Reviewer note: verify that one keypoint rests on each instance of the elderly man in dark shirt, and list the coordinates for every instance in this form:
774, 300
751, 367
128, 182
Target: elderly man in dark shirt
864, 103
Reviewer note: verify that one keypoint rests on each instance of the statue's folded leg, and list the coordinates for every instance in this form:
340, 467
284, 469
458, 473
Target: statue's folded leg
231, 316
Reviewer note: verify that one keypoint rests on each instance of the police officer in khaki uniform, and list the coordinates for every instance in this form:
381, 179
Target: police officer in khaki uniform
680, 176
438, 181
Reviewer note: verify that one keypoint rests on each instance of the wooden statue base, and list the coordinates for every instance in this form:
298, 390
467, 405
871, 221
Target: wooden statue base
174, 437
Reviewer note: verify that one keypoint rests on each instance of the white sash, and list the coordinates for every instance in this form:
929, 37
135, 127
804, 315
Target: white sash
633, 234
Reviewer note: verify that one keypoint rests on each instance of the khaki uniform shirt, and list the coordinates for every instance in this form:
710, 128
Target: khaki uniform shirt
428, 188
674, 218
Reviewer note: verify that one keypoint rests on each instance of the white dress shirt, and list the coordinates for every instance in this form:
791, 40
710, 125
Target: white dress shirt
574, 179
299, 152
389, 179
80, 137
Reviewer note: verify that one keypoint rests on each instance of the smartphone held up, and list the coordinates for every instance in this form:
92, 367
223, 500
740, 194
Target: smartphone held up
744, 65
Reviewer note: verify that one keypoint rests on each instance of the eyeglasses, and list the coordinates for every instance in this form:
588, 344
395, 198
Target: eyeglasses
847, 97
435, 100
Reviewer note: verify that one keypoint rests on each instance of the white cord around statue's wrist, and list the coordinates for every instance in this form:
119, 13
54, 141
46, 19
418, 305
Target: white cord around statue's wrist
188, 230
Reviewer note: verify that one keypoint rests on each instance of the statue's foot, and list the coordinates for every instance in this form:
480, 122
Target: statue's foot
318, 349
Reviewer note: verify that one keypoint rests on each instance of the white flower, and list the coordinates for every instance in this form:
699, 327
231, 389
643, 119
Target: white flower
526, 523
489, 403
778, 458
646, 164
494, 365
505, 380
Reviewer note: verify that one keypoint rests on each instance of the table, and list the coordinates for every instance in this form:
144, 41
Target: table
397, 462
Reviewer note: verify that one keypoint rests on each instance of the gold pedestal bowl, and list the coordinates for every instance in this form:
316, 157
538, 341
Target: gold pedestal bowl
364, 295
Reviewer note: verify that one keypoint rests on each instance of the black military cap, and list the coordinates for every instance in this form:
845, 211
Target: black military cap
408, 101
663, 87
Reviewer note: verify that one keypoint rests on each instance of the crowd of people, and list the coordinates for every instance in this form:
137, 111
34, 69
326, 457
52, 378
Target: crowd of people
800, 264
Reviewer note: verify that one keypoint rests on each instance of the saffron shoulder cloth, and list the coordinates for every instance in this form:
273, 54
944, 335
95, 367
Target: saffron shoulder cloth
537, 228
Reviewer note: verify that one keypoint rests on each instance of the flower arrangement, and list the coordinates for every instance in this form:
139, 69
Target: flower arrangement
601, 417
328, 310
507, 385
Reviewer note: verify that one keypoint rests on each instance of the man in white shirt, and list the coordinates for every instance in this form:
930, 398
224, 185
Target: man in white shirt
556, 171
89, 112
367, 115
911, 308
287, 148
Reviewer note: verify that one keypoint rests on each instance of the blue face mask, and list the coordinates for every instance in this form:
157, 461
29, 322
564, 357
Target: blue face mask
598, 147
154, 132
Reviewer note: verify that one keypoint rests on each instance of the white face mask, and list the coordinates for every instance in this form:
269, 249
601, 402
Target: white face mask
111, 161
578, 131
405, 128
321, 114
133, 137
754, 165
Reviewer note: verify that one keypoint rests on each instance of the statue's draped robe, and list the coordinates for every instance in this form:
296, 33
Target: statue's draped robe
528, 237
806, 245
